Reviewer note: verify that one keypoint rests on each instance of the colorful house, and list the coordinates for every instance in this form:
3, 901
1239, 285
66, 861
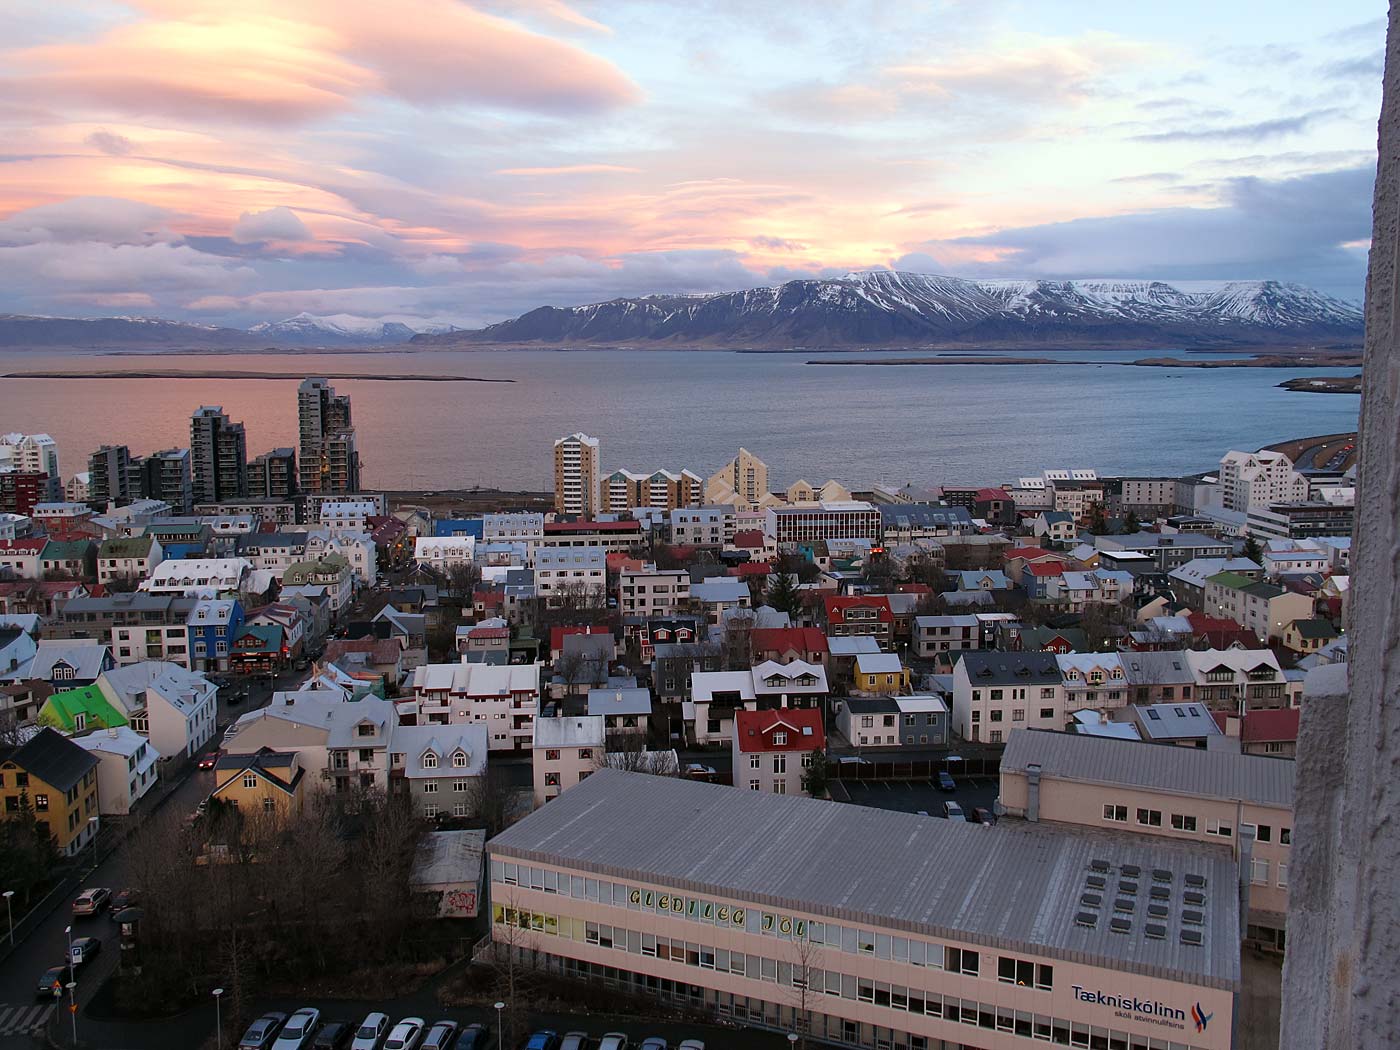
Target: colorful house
56, 782
258, 648
79, 710
213, 625
266, 784
880, 673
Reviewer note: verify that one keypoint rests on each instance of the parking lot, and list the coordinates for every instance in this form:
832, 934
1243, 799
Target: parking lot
914, 796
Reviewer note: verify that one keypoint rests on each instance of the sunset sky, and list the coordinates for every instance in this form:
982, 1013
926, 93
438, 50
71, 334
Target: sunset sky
233, 162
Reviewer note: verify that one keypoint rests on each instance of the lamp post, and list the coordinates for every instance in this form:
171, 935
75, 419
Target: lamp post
218, 1019
10, 914
94, 823
499, 1035
73, 1003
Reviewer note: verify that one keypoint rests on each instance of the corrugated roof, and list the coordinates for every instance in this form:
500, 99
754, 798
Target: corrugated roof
1177, 770
1013, 886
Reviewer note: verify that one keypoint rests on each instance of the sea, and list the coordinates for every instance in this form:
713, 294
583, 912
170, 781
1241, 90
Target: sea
860, 424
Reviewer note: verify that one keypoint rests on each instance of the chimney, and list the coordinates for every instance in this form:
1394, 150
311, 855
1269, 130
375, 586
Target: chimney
112, 732
1033, 792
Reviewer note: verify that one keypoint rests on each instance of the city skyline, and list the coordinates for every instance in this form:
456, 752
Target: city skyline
462, 164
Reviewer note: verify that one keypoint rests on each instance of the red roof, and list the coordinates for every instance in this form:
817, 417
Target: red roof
592, 526
558, 634
45, 587
749, 539
781, 639
836, 606
24, 546
1264, 727
489, 632
757, 730
1221, 633
619, 562
1045, 568
986, 494
751, 568
1028, 552
914, 588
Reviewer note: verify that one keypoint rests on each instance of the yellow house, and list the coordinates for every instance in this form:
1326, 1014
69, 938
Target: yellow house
879, 673
266, 782
55, 781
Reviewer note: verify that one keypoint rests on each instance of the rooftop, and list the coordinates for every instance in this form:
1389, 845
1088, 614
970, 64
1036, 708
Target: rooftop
1013, 886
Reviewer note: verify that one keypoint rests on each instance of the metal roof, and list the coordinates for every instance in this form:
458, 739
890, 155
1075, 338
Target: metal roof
1014, 886
1185, 771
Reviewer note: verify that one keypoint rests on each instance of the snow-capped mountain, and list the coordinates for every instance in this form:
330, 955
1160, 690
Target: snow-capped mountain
331, 329
890, 308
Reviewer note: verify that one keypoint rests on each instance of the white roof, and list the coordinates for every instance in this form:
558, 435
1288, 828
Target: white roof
851, 645
704, 684
720, 589
180, 687
918, 705
878, 663
578, 731
788, 673
119, 740
1085, 662
414, 742
1091, 723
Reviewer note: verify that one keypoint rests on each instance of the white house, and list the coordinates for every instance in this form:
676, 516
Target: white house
771, 750
344, 746
199, 577
172, 706
444, 553
506, 698
565, 751
442, 766
348, 515
129, 558
995, 692
126, 767
561, 572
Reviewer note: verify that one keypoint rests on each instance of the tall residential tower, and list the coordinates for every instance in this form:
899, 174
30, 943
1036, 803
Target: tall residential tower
218, 456
576, 475
328, 461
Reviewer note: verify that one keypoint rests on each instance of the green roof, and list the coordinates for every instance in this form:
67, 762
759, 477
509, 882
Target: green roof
126, 547
268, 636
65, 550
1232, 580
59, 710
1314, 629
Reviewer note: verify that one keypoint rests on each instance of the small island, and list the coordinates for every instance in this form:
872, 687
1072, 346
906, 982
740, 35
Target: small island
1324, 384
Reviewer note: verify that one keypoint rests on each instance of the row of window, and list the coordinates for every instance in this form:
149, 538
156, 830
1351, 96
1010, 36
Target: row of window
796, 977
1152, 818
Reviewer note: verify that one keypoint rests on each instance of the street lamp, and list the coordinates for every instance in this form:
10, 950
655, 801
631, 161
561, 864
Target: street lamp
73, 1002
94, 823
499, 1036
218, 1019
10, 913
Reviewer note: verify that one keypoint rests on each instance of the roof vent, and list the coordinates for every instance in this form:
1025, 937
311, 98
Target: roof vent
1120, 925
1086, 918
1124, 904
1193, 918
1196, 882
1090, 900
1100, 866
1158, 911
1124, 886
1197, 899
1155, 931
1161, 893
1131, 870
1191, 937
1161, 875
1097, 882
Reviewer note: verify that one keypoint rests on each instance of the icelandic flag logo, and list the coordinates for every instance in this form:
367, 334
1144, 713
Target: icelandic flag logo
1200, 1017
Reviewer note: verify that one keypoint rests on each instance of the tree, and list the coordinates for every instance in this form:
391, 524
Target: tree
783, 594
1131, 523
1253, 551
738, 641
925, 567
1098, 518
806, 956
515, 957
493, 798
817, 776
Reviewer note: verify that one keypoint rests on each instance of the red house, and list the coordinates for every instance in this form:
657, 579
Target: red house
868, 614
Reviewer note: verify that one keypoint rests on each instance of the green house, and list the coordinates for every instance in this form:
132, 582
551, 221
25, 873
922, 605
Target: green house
77, 710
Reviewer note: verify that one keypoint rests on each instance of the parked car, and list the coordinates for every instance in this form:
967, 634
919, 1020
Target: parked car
297, 1032
473, 1037
945, 782
82, 949
370, 1034
406, 1035
124, 899
208, 760
52, 980
92, 900
953, 811
575, 1041
334, 1035
655, 1042
440, 1036
262, 1032
613, 1041
545, 1039
983, 815
691, 1044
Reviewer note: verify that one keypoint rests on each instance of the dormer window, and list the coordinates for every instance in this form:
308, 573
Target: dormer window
1071, 675
779, 739
459, 759
430, 760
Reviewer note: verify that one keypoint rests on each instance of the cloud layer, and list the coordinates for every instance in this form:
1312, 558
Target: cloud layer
465, 161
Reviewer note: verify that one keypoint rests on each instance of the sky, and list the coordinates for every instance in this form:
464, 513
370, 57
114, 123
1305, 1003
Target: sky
437, 161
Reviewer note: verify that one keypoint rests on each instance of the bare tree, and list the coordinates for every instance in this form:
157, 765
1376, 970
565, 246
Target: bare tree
805, 973
738, 641
626, 749
515, 957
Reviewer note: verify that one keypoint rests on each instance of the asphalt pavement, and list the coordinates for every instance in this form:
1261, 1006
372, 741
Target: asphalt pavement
915, 796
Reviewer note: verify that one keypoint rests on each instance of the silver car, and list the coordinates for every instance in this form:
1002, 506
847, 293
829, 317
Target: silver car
575, 1041
298, 1030
370, 1034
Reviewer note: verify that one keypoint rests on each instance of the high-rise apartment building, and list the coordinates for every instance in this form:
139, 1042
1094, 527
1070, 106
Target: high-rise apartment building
625, 490
31, 455
218, 456
330, 463
576, 475
273, 475
165, 475
1255, 479
742, 482
109, 476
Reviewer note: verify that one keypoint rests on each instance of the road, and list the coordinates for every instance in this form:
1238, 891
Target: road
46, 944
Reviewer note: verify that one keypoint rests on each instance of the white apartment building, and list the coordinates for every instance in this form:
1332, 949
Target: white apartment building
506, 698
521, 528
571, 571
565, 751
650, 591
1148, 493
703, 526
1265, 609
442, 553
847, 519
31, 453
170, 705
126, 768
348, 515
199, 576
1256, 479
995, 692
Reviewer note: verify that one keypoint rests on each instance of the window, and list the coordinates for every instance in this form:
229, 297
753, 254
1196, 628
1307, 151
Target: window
1285, 836
551, 754
430, 810
430, 787
961, 960
551, 780
780, 763
994, 737
1118, 813
779, 739
755, 761
585, 752
250, 780
459, 759
780, 787
1216, 827
1151, 818
1047, 712
269, 805
430, 761
867, 721
755, 785
41, 803
1183, 822
1283, 875
996, 715
1259, 871
1265, 833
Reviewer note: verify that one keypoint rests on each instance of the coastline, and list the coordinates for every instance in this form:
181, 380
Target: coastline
276, 376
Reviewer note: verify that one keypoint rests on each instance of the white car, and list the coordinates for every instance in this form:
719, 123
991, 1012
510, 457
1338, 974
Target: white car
407, 1034
613, 1041
298, 1030
691, 1044
371, 1032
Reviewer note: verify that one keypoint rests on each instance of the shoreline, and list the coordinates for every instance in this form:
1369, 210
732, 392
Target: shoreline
272, 376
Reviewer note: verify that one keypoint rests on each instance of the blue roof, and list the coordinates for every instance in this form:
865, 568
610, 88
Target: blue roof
458, 527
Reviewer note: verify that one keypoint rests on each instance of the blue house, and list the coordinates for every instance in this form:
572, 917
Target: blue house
458, 527
213, 624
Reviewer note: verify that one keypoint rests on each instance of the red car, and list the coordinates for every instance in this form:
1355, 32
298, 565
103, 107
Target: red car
208, 761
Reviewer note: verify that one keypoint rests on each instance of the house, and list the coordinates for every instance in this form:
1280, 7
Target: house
671, 630
566, 574
1238, 680
442, 766
979, 580
486, 642
1076, 591
716, 695
880, 673
506, 698
21, 556
258, 649
564, 752
369, 659
1271, 733
1308, 636
264, 786
1158, 677
994, 692
172, 706
623, 709
1055, 526
772, 750
714, 596
344, 746
295, 617
199, 577
137, 626
1017, 559
948, 633
869, 615
55, 780
649, 591
442, 554
64, 663
128, 558
357, 548
213, 624
126, 767
1094, 681
910, 722
330, 575
1185, 724
277, 551
785, 644
1018, 638
17, 649
1037, 578
81, 710
674, 666
1265, 609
